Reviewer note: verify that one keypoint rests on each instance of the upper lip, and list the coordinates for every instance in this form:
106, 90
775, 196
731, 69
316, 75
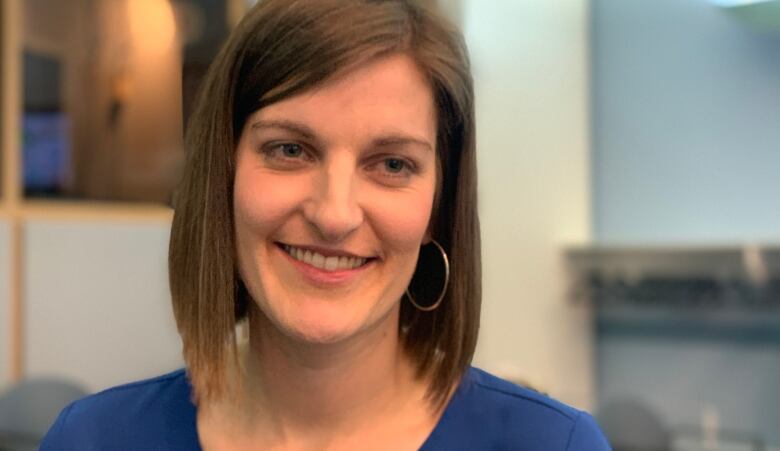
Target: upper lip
327, 252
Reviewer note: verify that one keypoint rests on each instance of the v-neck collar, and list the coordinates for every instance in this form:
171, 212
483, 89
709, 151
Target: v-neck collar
181, 416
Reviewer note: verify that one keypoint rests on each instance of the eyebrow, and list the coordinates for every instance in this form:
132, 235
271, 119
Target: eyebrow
400, 140
386, 140
295, 127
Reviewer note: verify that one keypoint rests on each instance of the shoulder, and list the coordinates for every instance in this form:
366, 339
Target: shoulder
488, 412
147, 414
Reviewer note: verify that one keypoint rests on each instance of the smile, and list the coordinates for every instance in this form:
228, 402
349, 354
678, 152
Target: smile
333, 263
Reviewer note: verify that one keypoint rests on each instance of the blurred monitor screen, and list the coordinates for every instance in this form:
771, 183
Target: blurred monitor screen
46, 153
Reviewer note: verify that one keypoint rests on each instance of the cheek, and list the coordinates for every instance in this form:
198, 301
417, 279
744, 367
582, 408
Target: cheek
261, 205
402, 223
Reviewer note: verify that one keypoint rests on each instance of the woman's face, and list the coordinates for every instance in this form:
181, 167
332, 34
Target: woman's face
332, 200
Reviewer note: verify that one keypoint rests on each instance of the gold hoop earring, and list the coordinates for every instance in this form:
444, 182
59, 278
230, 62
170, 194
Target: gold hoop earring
436, 304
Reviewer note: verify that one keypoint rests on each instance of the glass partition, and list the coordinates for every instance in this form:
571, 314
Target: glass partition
106, 84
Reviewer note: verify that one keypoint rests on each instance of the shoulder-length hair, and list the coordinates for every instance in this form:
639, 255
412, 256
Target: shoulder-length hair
282, 48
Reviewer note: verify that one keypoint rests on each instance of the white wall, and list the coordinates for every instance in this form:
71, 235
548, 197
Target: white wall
5, 295
530, 69
97, 306
686, 104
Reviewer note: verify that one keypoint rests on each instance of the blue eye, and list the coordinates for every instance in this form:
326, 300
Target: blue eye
395, 165
291, 150
286, 155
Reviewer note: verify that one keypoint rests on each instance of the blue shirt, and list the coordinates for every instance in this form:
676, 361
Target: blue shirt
485, 413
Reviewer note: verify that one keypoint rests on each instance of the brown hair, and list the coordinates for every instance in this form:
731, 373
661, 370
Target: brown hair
281, 48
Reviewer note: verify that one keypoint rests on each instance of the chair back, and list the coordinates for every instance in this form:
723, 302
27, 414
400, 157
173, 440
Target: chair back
28, 409
632, 425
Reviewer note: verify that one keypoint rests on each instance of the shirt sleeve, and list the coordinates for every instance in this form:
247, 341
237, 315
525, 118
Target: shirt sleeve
586, 435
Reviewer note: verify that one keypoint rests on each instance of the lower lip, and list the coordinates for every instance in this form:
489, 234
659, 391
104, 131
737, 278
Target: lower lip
321, 277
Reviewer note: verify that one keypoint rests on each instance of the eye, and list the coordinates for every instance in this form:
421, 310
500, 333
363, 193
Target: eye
286, 155
395, 165
392, 170
285, 152
290, 150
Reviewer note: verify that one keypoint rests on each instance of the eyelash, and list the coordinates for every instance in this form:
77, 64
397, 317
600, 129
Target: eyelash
270, 152
407, 169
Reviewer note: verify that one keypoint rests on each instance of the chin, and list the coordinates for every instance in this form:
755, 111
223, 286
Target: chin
324, 321
319, 332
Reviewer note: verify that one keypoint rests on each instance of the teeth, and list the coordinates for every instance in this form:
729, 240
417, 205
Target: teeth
331, 263
323, 262
318, 260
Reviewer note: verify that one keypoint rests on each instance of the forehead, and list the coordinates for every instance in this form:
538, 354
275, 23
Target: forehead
387, 93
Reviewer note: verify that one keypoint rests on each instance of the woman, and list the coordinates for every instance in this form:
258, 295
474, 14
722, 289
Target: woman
328, 213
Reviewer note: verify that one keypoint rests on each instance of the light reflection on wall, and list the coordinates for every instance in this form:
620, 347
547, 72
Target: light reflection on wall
150, 92
152, 25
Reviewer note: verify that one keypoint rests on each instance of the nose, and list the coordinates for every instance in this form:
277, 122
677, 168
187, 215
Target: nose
333, 209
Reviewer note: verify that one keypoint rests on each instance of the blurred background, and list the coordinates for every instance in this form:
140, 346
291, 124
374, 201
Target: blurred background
629, 158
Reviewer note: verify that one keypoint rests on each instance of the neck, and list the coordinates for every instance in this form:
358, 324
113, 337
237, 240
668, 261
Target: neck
324, 389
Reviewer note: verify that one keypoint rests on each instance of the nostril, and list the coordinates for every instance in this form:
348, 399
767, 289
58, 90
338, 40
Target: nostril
333, 211
333, 225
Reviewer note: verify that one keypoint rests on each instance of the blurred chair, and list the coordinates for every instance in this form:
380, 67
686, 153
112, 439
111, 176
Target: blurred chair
632, 425
28, 409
